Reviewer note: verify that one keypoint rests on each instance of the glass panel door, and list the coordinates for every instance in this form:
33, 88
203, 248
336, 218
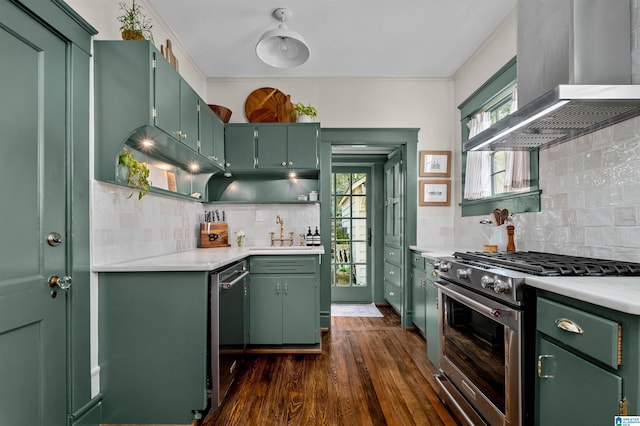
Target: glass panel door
350, 235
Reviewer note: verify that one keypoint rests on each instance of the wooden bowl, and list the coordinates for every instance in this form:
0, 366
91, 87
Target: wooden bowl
223, 113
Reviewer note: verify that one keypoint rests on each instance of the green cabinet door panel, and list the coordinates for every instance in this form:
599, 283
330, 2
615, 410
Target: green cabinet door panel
299, 318
431, 320
239, 147
153, 346
189, 115
42, 74
302, 146
272, 147
419, 298
211, 135
166, 89
576, 392
206, 130
218, 141
266, 309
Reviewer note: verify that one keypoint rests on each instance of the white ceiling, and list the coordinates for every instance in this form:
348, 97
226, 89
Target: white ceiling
347, 38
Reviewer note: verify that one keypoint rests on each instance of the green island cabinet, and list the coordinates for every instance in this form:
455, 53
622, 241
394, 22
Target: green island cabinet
139, 97
153, 346
272, 146
285, 306
587, 366
424, 303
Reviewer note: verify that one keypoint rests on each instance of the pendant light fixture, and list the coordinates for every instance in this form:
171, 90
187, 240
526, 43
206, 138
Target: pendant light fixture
282, 47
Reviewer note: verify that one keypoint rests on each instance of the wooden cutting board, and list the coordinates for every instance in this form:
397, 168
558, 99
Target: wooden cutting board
267, 105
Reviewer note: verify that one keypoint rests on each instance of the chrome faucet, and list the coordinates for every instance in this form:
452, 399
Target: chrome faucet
282, 239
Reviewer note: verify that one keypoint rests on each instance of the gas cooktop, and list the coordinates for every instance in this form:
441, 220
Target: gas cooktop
548, 264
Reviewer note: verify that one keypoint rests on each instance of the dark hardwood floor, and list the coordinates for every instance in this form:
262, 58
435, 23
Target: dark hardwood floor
370, 372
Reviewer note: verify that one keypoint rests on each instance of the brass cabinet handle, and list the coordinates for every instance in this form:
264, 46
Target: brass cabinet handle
543, 376
568, 325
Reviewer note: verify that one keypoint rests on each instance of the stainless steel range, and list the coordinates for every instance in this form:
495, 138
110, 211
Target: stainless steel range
486, 329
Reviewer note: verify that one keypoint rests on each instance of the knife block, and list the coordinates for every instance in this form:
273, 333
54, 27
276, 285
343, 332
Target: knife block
214, 234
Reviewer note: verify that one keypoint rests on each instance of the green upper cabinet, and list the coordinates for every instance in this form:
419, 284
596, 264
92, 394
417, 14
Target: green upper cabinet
239, 147
211, 142
139, 96
272, 146
302, 142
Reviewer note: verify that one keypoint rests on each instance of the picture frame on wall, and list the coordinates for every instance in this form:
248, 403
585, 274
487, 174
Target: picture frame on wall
435, 193
435, 163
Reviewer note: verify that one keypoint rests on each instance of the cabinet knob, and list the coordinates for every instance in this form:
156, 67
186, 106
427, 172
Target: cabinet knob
390, 272
391, 294
291, 163
284, 163
227, 164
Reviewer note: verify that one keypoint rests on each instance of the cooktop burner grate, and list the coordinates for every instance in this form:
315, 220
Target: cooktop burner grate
548, 264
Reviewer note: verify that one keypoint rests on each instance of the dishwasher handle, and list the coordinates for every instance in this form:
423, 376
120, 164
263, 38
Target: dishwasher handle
227, 286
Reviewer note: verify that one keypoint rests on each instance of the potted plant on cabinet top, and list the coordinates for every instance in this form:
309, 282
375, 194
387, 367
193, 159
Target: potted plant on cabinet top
134, 25
305, 113
135, 173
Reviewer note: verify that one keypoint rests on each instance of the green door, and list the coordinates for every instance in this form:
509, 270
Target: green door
32, 171
350, 235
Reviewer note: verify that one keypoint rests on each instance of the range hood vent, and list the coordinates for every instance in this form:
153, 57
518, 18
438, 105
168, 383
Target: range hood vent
574, 74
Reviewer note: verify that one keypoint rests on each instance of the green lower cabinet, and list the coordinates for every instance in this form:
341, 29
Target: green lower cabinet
574, 391
284, 305
431, 317
419, 298
153, 346
586, 362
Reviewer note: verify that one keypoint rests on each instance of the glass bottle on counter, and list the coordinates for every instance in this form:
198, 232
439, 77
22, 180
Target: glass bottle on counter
308, 239
316, 238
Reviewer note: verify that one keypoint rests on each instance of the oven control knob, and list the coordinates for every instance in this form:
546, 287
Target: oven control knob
444, 266
502, 287
486, 282
462, 273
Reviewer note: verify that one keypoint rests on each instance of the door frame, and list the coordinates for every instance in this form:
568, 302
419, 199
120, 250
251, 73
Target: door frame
407, 140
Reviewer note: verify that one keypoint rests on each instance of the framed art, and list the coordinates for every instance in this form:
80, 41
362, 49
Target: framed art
435, 163
435, 193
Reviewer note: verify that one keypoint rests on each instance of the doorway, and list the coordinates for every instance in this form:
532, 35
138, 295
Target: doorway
350, 244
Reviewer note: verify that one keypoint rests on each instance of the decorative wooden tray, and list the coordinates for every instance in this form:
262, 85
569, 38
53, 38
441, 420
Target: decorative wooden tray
268, 105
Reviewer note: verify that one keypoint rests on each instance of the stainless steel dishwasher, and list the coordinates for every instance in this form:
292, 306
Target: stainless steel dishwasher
229, 329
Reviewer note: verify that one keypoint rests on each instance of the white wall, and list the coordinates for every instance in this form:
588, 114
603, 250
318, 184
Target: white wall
425, 103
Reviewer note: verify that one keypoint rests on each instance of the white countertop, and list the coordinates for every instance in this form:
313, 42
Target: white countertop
618, 293
201, 259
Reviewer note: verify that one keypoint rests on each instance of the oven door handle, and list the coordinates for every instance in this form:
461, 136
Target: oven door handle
227, 286
490, 311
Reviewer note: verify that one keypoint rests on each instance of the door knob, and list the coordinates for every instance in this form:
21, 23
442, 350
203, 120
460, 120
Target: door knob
63, 283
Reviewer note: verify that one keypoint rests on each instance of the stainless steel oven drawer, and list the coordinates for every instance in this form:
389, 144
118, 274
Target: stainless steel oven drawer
590, 334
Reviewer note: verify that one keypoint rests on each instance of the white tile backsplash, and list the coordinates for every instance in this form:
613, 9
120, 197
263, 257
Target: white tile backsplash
127, 228
590, 198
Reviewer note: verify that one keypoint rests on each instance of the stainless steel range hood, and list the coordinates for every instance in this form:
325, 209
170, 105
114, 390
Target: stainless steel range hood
574, 74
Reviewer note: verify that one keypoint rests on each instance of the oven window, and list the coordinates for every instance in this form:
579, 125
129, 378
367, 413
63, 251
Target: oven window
475, 344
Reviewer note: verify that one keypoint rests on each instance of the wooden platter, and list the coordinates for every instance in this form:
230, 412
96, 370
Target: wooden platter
268, 105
